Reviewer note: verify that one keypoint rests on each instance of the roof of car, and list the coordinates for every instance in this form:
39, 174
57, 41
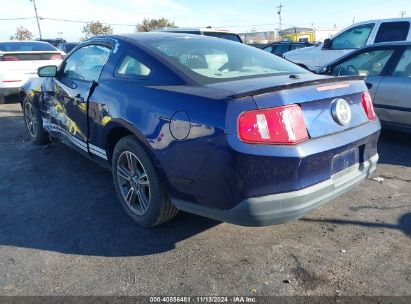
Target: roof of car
24, 41
381, 20
195, 29
290, 42
158, 35
392, 43
402, 43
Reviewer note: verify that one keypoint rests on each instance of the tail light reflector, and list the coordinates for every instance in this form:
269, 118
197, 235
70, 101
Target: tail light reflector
56, 57
282, 125
9, 58
368, 106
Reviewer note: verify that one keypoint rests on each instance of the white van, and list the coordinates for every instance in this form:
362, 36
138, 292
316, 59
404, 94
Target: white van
350, 39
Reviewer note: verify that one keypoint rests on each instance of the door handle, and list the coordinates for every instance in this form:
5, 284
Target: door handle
369, 85
78, 99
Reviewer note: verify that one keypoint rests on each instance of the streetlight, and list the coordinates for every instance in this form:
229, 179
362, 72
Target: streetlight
37, 17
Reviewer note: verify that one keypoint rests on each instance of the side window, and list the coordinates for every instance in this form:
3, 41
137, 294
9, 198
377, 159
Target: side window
403, 68
130, 66
365, 64
86, 63
392, 31
352, 38
268, 49
280, 49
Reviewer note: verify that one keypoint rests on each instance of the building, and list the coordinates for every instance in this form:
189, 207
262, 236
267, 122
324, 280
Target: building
255, 37
305, 34
293, 34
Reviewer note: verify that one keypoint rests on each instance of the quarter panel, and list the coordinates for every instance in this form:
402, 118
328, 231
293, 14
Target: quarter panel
150, 110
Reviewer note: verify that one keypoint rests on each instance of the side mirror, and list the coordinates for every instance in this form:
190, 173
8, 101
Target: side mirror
327, 44
47, 71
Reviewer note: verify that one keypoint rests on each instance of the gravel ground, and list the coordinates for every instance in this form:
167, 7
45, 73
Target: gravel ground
63, 232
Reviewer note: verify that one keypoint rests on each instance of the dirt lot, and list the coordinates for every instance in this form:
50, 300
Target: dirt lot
62, 232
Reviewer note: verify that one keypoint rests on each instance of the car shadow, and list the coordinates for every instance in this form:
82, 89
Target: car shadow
394, 148
404, 223
52, 198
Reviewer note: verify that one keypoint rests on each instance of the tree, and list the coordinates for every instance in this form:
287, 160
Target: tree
154, 24
22, 33
96, 28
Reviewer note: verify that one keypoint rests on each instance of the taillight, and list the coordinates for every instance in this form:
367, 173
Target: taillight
282, 125
56, 57
368, 106
9, 58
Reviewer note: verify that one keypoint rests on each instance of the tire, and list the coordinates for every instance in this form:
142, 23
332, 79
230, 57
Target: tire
138, 185
34, 123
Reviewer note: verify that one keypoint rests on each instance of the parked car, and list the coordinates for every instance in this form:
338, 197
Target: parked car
279, 48
19, 61
387, 68
54, 41
257, 45
204, 125
206, 31
66, 47
350, 39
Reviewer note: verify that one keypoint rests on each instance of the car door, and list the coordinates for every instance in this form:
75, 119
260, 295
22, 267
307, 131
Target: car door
392, 100
370, 62
72, 88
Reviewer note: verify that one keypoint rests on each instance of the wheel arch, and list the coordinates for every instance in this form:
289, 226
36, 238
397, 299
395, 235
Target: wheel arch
117, 129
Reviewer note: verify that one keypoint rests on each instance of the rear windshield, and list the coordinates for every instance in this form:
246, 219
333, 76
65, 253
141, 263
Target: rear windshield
208, 60
26, 46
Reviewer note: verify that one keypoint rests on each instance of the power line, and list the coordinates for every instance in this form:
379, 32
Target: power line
11, 19
83, 21
127, 24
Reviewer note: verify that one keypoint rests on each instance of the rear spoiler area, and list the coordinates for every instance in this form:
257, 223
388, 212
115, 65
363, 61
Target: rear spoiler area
324, 84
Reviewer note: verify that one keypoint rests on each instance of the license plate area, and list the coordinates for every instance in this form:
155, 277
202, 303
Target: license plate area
344, 163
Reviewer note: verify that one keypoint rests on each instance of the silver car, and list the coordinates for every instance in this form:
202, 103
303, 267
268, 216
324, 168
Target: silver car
387, 71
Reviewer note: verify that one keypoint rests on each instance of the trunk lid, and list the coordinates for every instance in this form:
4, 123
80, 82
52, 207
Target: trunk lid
315, 94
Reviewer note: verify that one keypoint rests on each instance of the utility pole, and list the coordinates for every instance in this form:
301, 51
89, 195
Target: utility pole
402, 13
37, 16
279, 16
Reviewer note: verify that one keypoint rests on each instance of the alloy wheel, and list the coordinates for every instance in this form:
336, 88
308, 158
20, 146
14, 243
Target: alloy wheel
30, 118
133, 182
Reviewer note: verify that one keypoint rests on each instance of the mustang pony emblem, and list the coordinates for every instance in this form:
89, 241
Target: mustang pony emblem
341, 111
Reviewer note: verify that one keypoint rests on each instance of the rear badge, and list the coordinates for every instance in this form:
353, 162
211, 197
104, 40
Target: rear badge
341, 111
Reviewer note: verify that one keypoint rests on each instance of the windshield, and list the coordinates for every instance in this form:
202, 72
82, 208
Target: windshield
280, 49
209, 60
69, 46
26, 46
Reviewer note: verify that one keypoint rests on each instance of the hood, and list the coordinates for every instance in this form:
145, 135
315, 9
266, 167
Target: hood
302, 50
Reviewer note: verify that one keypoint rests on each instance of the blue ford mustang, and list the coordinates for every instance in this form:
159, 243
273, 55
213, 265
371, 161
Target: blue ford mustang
207, 126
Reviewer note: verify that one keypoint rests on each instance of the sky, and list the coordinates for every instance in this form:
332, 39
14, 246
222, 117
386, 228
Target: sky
235, 15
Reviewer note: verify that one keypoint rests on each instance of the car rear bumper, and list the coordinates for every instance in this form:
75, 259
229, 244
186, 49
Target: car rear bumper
9, 91
283, 207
